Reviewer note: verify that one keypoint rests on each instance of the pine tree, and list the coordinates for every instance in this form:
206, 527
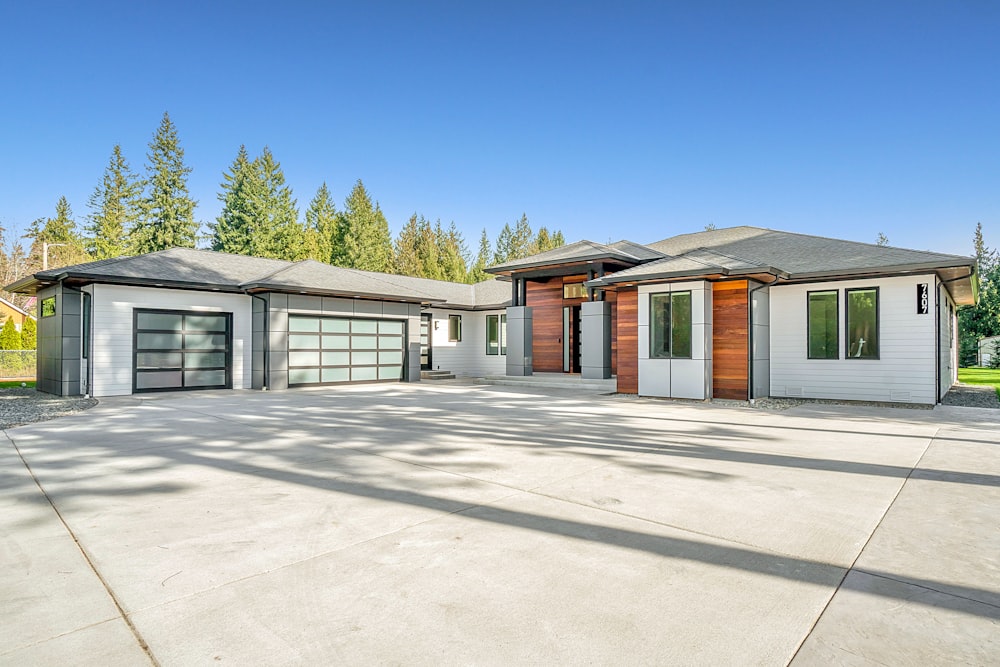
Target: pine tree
233, 229
114, 209
167, 219
29, 334
982, 319
65, 243
545, 241
277, 233
558, 240
477, 273
514, 243
407, 253
452, 253
10, 337
882, 240
322, 228
365, 242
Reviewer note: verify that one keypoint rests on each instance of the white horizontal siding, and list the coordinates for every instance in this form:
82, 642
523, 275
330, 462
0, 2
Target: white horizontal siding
905, 371
466, 358
112, 308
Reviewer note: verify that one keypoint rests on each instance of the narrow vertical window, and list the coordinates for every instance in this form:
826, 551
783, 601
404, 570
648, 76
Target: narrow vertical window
503, 334
670, 325
862, 323
454, 328
85, 337
492, 334
823, 334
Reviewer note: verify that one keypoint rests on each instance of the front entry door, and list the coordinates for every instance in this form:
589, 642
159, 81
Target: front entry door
571, 339
426, 344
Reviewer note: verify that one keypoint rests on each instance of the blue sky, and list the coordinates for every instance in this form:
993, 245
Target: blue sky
609, 120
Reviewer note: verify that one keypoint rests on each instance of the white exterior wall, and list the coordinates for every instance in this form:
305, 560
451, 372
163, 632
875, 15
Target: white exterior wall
112, 307
678, 378
905, 371
761, 337
948, 321
465, 358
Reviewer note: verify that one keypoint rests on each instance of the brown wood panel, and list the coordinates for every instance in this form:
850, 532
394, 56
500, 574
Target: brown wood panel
730, 340
627, 321
545, 297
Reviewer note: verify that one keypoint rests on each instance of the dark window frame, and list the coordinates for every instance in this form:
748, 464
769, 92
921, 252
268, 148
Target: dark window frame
501, 346
836, 329
41, 306
669, 333
228, 333
579, 285
847, 322
458, 320
86, 314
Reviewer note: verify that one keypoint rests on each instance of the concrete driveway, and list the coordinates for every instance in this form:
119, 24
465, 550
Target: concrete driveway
430, 524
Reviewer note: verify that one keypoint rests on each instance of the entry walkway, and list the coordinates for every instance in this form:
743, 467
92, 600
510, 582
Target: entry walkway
474, 524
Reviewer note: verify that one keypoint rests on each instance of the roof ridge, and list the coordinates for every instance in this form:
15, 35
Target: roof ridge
726, 254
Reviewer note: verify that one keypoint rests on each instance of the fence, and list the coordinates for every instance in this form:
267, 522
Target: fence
17, 364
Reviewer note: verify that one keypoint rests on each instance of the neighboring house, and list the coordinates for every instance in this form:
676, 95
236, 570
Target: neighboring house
988, 347
735, 313
9, 310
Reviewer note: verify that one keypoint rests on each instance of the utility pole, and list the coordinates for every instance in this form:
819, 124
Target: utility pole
45, 253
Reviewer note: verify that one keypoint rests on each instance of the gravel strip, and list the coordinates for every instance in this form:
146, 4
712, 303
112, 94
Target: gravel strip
972, 396
779, 403
24, 406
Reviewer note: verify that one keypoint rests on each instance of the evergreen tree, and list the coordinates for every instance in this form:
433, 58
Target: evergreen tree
322, 227
277, 231
514, 243
114, 209
558, 240
167, 218
233, 229
60, 232
477, 273
10, 337
365, 242
452, 253
407, 258
545, 241
882, 240
14, 265
29, 334
982, 319
505, 246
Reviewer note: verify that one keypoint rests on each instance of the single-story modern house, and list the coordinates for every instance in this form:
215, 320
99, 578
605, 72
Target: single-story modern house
736, 313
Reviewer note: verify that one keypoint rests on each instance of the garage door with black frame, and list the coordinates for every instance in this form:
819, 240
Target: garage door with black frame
331, 350
176, 350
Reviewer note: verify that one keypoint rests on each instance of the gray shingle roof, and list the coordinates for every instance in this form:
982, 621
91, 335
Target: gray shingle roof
581, 251
205, 268
802, 254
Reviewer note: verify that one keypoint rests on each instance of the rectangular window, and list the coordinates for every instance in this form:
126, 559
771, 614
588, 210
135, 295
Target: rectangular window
823, 332
862, 323
574, 291
496, 334
670, 325
454, 328
48, 307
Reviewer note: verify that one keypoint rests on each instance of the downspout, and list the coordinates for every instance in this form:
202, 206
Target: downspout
937, 338
267, 340
750, 395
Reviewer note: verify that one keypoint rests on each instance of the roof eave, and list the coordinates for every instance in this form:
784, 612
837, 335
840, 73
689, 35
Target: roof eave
506, 269
349, 294
880, 270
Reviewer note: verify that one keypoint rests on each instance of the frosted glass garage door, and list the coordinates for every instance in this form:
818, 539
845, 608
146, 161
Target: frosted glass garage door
176, 350
328, 350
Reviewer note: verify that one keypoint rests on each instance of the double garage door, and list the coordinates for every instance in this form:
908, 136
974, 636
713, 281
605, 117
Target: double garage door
177, 350
327, 350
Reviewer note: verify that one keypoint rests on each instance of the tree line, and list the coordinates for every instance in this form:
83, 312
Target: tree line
983, 319
132, 214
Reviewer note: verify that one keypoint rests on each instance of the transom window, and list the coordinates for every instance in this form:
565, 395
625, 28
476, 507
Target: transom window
574, 291
670, 325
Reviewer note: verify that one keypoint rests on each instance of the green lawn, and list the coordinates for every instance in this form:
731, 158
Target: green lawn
16, 383
990, 376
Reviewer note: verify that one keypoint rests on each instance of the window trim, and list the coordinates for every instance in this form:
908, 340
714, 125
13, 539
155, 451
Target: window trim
458, 320
836, 329
670, 324
847, 322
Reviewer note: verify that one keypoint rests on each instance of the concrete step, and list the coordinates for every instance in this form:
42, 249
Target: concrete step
437, 375
551, 381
